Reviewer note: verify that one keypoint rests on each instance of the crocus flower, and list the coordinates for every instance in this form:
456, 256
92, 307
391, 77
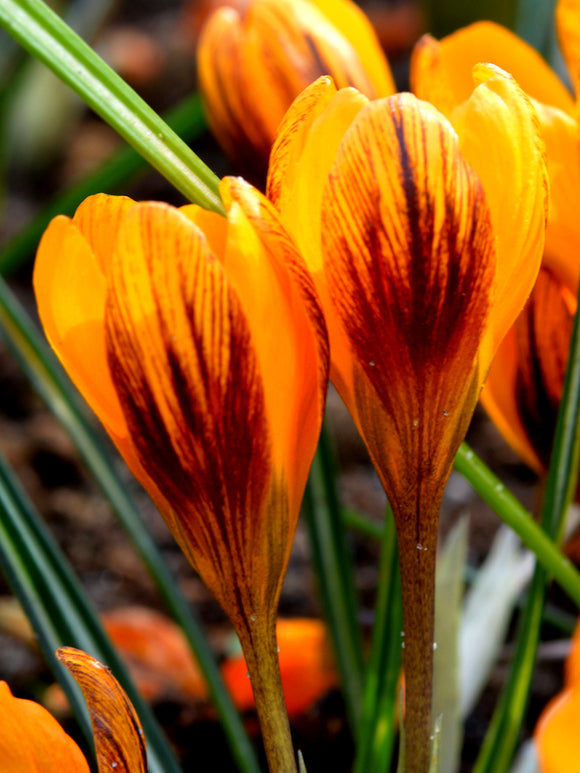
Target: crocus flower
524, 387
253, 64
556, 734
31, 740
198, 341
423, 239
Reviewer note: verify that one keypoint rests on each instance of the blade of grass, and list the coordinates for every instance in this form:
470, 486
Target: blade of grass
58, 609
334, 573
379, 721
187, 120
502, 737
44, 371
49, 39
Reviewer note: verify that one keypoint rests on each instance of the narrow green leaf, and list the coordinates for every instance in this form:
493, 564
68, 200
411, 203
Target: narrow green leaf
187, 120
334, 573
40, 365
379, 720
49, 39
58, 608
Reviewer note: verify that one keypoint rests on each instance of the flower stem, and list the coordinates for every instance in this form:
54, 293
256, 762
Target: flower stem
261, 653
417, 537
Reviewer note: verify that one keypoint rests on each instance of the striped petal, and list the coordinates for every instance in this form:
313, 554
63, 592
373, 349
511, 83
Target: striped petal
441, 70
409, 252
512, 169
31, 740
188, 379
119, 739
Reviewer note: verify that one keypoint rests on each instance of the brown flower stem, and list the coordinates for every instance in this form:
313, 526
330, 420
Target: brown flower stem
417, 538
260, 649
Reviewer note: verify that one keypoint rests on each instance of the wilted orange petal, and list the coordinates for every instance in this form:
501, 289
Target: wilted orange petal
511, 167
441, 70
70, 291
556, 734
119, 739
305, 665
156, 652
568, 26
409, 252
32, 741
181, 355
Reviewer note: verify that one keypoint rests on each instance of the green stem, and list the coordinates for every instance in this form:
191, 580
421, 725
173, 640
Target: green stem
43, 34
260, 650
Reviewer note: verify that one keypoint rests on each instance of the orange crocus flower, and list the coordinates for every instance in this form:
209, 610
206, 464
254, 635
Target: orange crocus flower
524, 387
421, 262
31, 740
164, 320
253, 64
556, 734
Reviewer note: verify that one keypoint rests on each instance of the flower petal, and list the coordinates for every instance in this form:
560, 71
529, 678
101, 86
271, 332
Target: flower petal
524, 387
277, 293
556, 734
568, 26
408, 249
513, 172
119, 739
181, 358
70, 292
31, 740
441, 70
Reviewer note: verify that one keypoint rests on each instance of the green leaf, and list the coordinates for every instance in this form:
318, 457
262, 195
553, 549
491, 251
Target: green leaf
49, 39
334, 573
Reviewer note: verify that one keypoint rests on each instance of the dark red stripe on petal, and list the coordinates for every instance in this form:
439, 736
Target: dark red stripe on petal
409, 254
183, 365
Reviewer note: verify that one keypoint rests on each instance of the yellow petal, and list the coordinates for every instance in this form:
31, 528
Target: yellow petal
441, 70
408, 251
562, 248
355, 26
568, 26
277, 293
119, 739
499, 137
32, 741
556, 734
70, 292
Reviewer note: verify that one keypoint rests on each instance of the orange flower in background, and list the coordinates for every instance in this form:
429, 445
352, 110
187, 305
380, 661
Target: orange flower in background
421, 264
556, 734
252, 65
164, 320
306, 663
31, 740
524, 387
